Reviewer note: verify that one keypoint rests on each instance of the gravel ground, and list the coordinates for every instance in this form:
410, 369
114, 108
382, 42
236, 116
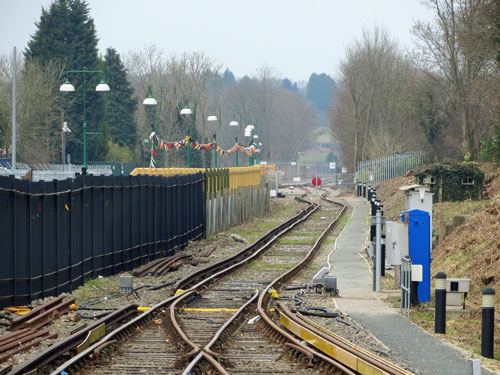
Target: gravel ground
103, 292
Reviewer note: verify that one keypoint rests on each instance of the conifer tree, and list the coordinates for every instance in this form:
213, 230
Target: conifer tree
120, 103
66, 34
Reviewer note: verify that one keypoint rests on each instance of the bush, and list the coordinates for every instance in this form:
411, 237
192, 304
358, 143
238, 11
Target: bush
489, 149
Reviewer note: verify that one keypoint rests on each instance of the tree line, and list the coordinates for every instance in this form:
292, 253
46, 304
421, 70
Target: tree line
119, 124
442, 96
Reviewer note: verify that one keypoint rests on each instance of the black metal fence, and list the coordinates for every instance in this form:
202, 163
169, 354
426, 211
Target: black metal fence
55, 235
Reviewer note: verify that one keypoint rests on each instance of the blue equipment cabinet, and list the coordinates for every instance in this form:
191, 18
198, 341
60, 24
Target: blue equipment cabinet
419, 248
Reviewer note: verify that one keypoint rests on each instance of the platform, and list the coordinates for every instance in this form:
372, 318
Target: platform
422, 351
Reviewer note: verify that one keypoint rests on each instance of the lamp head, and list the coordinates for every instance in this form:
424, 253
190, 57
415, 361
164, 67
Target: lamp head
103, 86
66, 86
211, 118
150, 100
186, 111
234, 123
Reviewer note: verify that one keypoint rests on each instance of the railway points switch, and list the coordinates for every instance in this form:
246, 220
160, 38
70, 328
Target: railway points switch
126, 283
319, 278
330, 283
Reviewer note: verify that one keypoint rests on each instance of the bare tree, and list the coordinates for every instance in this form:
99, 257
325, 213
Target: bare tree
369, 118
456, 54
191, 79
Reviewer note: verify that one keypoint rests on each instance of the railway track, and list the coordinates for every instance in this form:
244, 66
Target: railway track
224, 319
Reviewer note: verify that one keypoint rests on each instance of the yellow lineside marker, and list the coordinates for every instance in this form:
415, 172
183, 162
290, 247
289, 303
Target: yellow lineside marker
273, 293
208, 309
19, 310
178, 291
143, 308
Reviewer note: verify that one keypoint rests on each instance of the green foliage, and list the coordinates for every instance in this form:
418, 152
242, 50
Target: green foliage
332, 158
489, 149
119, 153
120, 103
66, 34
319, 90
458, 181
5, 128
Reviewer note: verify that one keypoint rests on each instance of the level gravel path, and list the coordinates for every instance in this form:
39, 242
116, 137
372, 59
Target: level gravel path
424, 352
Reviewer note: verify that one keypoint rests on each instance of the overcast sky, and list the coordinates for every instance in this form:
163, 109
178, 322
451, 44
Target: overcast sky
296, 37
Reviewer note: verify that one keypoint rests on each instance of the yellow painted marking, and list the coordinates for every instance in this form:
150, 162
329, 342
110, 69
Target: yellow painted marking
142, 308
207, 310
348, 359
92, 337
179, 291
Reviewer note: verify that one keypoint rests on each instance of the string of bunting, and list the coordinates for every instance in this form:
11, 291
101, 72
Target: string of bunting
158, 144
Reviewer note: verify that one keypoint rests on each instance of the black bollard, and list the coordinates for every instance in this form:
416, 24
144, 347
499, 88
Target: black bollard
364, 190
440, 310
488, 322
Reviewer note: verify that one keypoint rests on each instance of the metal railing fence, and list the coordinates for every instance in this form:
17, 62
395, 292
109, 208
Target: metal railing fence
377, 170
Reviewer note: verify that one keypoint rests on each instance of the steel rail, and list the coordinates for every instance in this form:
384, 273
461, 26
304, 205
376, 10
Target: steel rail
70, 342
112, 337
379, 363
207, 350
283, 335
243, 254
251, 252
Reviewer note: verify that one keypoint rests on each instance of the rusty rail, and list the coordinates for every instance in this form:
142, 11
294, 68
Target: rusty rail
207, 352
191, 283
70, 342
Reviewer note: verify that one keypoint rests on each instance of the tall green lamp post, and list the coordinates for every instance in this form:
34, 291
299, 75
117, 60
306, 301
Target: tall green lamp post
235, 124
213, 119
151, 101
68, 87
186, 111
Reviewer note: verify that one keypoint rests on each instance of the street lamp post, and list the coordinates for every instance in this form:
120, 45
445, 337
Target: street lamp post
235, 124
68, 87
214, 118
151, 101
184, 112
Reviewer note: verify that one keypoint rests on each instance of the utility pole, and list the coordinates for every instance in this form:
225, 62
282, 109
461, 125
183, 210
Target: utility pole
14, 130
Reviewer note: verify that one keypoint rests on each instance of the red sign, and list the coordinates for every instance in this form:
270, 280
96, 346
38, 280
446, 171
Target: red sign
316, 181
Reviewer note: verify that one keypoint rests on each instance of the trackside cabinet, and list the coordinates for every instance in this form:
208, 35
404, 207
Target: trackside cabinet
419, 248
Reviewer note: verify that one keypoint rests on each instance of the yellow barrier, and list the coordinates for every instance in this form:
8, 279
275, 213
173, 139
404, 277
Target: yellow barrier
216, 178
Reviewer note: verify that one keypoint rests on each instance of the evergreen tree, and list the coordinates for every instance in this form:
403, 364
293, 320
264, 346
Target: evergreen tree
228, 77
66, 34
287, 85
120, 103
320, 90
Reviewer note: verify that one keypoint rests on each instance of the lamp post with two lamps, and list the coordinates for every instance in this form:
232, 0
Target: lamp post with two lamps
251, 132
151, 101
68, 87
214, 118
235, 124
186, 111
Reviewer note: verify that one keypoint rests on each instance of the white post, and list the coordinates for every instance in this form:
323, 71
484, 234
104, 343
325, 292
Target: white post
14, 130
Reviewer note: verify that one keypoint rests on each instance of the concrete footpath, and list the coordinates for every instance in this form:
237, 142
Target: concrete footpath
422, 351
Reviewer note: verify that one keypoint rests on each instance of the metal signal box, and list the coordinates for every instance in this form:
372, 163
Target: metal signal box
396, 242
419, 248
126, 283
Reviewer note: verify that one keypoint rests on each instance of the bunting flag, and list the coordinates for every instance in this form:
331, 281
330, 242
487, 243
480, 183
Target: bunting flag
158, 144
